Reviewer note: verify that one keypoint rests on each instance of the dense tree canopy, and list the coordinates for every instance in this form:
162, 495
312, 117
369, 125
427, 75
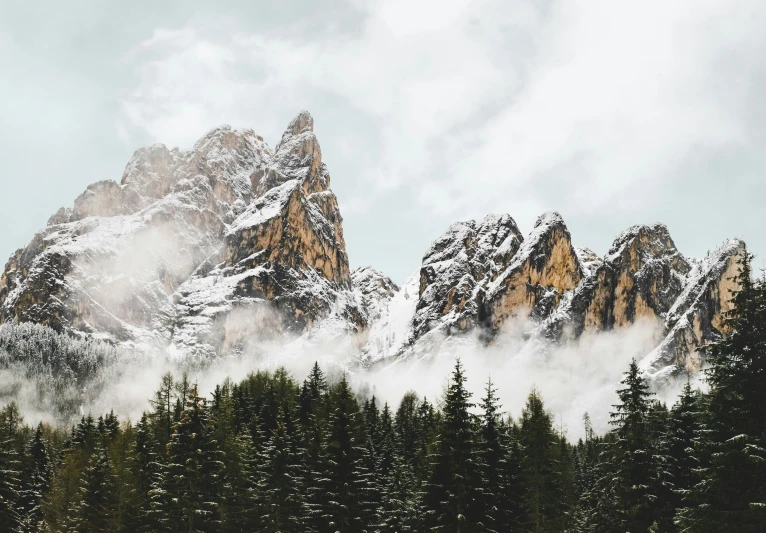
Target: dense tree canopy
270, 454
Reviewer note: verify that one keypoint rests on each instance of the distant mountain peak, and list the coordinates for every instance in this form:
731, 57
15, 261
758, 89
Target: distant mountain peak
212, 249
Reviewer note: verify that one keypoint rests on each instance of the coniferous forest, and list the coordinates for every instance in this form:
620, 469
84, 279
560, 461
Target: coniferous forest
272, 454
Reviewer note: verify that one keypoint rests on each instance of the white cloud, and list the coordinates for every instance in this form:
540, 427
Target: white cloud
478, 106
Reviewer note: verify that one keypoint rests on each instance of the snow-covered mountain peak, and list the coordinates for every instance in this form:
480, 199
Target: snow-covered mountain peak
187, 240
302, 123
212, 249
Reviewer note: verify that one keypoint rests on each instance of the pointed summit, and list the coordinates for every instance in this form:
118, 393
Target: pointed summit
542, 270
302, 122
297, 156
300, 126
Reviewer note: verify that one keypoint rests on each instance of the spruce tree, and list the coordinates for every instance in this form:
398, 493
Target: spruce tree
731, 495
493, 455
451, 496
10, 485
280, 485
312, 410
342, 479
36, 480
147, 473
193, 482
406, 428
683, 430
162, 417
514, 497
97, 510
633, 455
541, 470
587, 474
401, 506
386, 446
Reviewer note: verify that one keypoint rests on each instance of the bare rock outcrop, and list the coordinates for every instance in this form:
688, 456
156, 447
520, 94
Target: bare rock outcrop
210, 249
374, 290
542, 270
456, 269
640, 277
697, 316
481, 276
186, 241
282, 265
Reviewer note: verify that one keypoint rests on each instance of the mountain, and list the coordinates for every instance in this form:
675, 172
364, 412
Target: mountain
212, 250
197, 249
484, 275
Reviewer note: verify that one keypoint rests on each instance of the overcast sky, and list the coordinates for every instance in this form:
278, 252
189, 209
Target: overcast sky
612, 113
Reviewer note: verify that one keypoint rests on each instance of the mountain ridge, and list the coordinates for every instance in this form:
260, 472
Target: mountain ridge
205, 250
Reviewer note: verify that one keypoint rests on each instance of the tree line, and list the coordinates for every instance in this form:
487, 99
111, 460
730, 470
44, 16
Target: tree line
271, 454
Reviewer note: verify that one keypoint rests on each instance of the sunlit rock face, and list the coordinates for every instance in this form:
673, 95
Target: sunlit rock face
211, 250
201, 248
544, 268
485, 277
641, 277
456, 270
697, 316
282, 265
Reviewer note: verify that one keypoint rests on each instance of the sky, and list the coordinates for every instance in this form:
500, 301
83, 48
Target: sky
612, 113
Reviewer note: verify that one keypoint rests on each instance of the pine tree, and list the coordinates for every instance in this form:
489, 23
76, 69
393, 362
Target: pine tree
386, 446
451, 496
427, 428
514, 497
242, 490
280, 485
317, 384
36, 481
369, 485
732, 444
342, 479
633, 454
10, 485
406, 428
312, 410
147, 473
194, 481
586, 479
97, 509
84, 436
371, 415
683, 429
493, 454
162, 417
401, 508
541, 471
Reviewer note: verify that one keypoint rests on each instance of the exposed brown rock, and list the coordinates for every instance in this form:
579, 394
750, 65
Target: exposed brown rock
641, 277
543, 269
112, 264
697, 317
456, 268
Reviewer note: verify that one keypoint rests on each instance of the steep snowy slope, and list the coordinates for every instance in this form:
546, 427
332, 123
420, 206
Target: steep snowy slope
213, 250
559, 292
190, 245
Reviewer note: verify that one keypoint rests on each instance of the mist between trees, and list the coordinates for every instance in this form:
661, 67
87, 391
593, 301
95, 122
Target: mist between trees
55, 378
270, 453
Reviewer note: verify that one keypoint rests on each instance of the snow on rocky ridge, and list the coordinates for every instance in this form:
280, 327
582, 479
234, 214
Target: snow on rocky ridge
211, 250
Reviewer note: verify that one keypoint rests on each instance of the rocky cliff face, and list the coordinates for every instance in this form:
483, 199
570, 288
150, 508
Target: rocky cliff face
696, 316
457, 268
543, 269
485, 276
207, 250
641, 277
190, 245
